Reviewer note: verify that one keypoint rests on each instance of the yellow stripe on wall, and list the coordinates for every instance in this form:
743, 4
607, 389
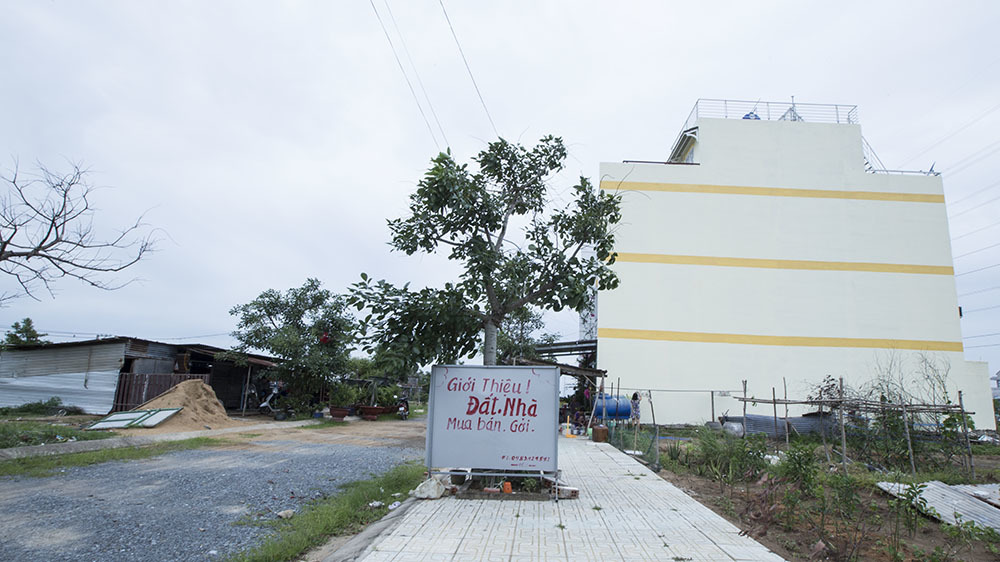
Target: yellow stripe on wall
791, 341
785, 264
771, 191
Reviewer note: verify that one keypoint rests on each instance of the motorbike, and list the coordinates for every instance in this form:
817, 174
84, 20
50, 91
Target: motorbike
268, 407
404, 408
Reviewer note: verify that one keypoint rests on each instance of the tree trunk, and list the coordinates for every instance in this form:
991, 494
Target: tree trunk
490, 344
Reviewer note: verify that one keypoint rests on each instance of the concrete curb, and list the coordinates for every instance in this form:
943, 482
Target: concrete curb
135, 440
360, 543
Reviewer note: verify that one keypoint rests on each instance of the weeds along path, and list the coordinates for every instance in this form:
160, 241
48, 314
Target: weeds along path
195, 504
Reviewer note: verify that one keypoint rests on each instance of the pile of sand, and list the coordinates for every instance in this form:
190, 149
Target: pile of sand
201, 409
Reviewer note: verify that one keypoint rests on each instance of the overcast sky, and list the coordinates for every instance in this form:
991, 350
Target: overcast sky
270, 141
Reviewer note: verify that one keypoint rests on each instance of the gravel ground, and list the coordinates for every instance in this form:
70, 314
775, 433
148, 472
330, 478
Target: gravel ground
180, 506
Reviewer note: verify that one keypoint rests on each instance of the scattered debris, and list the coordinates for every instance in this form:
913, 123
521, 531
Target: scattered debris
375, 504
286, 514
951, 504
134, 418
394, 505
430, 489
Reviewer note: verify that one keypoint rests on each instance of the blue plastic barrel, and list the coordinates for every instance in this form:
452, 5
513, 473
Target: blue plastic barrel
618, 407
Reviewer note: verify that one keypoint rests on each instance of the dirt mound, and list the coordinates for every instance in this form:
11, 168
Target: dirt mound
201, 409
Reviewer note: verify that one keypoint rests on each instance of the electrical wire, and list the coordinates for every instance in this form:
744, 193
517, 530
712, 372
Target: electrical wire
405, 77
980, 229
980, 291
951, 172
466, 61
959, 163
980, 309
981, 336
974, 193
960, 213
949, 135
977, 270
406, 51
987, 345
983, 249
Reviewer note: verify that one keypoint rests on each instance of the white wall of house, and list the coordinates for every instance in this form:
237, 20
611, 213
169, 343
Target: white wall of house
777, 257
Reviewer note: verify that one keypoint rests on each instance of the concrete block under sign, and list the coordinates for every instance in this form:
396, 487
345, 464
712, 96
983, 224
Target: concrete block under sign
568, 493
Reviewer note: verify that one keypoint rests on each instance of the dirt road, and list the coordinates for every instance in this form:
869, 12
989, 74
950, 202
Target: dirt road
193, 505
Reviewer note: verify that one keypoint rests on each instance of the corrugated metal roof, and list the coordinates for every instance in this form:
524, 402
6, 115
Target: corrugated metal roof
950, 503
104, 356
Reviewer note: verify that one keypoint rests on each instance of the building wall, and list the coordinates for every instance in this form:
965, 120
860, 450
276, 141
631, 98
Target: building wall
777, 257
84, 376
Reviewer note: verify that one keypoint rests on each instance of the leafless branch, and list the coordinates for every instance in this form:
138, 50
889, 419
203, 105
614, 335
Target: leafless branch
47, 233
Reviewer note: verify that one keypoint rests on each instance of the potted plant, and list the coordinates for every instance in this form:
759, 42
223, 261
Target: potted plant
341, 396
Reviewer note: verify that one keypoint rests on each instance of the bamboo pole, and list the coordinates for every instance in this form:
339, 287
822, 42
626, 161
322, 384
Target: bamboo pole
965, 430
843, 430
744, 409
774, 401
909, 443
822, 433
787, 431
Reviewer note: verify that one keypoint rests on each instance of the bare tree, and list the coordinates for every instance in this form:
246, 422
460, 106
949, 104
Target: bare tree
47, 233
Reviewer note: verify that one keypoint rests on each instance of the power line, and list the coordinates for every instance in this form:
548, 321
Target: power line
977, 251
960, 213
405, 77
980, 309
466, 61
420, 82
977, 270
952, 172
974, 193
981, 336
971, 156
991, 225
950, 135
987, 345
980, 291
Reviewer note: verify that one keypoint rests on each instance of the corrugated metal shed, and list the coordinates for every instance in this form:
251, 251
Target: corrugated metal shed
800, 424
948, 501
83, 376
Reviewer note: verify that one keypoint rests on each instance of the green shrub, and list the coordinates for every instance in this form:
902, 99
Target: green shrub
49, 407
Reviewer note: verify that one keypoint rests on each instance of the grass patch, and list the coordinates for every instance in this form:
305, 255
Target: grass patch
25, 433
345, 513
48, 465
325, 422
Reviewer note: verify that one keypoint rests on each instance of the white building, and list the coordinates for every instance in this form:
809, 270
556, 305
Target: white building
776, 248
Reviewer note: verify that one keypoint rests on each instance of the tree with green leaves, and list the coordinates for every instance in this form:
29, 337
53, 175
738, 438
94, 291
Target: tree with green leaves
23, 333
516, 249
307, 328
520, 335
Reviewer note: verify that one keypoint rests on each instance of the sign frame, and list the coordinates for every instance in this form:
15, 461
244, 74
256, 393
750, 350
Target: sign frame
436, 416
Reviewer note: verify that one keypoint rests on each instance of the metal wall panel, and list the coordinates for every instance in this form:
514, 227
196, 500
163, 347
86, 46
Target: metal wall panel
100, 357
83, 376
94, 391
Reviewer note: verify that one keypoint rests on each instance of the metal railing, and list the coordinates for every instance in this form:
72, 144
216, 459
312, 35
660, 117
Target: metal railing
772, 111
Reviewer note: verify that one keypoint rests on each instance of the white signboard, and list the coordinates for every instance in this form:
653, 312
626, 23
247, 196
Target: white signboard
501, 417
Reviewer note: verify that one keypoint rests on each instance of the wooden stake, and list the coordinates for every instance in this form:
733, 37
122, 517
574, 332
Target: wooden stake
909, 444
843, 431
787, 432
744, 409
774, 402
965, 429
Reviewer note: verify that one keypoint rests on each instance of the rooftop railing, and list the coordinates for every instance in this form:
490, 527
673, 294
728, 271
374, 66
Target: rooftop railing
772, 111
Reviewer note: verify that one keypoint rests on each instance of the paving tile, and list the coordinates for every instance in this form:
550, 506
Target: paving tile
640, 513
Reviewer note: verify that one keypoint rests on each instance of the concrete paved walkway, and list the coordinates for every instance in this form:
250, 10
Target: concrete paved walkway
640, 517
